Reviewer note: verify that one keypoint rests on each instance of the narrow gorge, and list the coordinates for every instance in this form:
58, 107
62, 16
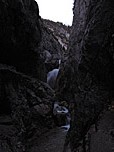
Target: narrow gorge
56, 81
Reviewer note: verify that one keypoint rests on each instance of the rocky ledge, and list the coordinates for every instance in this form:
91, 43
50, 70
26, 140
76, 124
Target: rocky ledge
25, 104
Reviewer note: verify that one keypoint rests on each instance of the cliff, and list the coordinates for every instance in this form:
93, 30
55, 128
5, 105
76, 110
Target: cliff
30, 47
20, 35
60, 31
86, 79
51, 50
25, 101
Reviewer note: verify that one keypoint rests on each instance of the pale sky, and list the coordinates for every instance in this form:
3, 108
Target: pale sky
56, 10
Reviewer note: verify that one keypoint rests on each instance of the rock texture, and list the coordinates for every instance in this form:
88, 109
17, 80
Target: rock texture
60, 31
52, 50
25, 104
25, 101
20, 35
103, 140
86, 79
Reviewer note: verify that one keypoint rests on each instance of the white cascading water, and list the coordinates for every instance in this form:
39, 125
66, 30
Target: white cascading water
67, 125
52, 76
57, 109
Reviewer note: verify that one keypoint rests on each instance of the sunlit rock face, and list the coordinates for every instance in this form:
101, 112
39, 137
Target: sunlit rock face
60, 31
51, 49
55, 39
86, 79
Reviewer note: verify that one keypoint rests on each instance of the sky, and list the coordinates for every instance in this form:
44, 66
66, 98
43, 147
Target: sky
56, 10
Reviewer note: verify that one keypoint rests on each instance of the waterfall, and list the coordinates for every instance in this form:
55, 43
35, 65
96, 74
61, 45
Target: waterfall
52, 76
60, 111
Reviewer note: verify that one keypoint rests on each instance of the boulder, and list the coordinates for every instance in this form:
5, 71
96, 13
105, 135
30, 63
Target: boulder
25, 104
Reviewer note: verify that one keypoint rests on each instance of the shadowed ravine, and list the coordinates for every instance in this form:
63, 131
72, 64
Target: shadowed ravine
80, 90
100, 141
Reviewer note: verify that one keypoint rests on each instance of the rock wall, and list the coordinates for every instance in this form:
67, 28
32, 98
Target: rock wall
60, 31
86, 78
20, 35
25, 101
25, 39
52, 50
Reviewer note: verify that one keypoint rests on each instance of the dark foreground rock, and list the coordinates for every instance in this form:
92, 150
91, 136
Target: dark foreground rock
20, 34
103, 140
86, 79
52, 141
25, 104
25, 101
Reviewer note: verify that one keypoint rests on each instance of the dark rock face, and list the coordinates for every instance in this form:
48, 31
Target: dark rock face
25, 104
86, 79
20, 35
